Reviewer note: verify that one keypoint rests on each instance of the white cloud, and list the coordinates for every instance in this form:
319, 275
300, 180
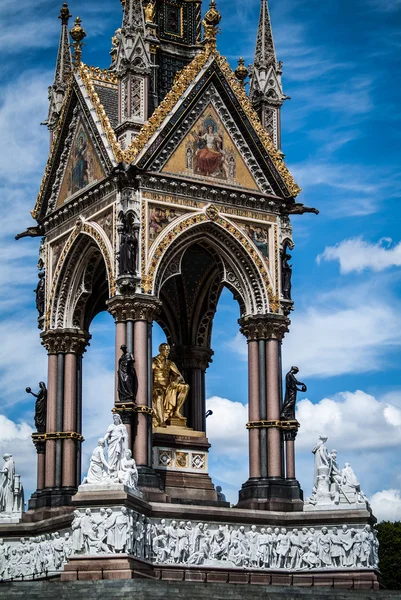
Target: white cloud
226, 427
24, 101
23, 361
15, 438
386, 505
228, 456
351, 420
336, 337
356, 254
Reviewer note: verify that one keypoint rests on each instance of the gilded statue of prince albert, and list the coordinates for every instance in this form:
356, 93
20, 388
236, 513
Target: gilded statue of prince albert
169, 390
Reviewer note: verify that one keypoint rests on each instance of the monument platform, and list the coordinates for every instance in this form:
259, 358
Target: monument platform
171, 590
116, 534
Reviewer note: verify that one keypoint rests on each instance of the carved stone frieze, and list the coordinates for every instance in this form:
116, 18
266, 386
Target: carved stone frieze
164, 183
65, 340
264, 327
232, 545
134, 308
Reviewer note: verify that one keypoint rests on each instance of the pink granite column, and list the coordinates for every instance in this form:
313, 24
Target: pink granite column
253, 408
141, 368
41, 466
274, 459
51, 421
290, 455
69, 420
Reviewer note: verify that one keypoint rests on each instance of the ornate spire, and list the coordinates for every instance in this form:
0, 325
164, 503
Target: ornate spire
210, 23
63, 70
266, 91
133, 15
241, 72
78, 34
135, 71
133, 27
265, 54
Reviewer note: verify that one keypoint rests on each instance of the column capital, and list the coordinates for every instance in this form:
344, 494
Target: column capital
264, 327
138, 307
192, 357
72, 341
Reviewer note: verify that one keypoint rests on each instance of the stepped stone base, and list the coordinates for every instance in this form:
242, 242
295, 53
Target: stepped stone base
163, 590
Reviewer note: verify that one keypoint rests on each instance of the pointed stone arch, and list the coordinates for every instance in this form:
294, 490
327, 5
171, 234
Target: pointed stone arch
84, 277
241, 268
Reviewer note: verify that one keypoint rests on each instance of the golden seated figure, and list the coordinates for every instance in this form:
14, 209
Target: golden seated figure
169, 390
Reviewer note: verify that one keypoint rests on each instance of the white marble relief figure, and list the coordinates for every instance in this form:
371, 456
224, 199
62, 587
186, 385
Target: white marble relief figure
98, 466
116, 438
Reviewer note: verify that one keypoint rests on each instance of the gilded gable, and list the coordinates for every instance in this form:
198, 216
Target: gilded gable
83, 165
208, 152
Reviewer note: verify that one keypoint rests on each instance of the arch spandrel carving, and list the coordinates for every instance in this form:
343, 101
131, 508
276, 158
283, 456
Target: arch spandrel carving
86, 248
244, 270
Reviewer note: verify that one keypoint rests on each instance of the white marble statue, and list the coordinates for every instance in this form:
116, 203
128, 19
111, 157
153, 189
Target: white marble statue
98, 466
11, 491
117, 439
128, 474
333, 488
321, 457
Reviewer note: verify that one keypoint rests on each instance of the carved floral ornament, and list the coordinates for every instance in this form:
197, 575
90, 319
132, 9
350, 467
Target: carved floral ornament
94, 231
211, 213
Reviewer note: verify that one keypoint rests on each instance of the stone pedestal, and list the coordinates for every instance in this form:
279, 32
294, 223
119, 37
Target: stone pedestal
180, 457
106, 566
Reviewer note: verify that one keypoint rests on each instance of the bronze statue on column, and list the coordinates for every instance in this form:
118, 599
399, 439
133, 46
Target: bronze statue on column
291, 389
169, 390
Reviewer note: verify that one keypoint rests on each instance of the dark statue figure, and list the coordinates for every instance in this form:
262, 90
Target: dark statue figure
126, 379
301, 209
128, 231
40, 406
291, 389
40, 294
286, 274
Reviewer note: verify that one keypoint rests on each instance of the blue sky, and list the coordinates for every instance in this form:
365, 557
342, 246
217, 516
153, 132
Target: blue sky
341, 137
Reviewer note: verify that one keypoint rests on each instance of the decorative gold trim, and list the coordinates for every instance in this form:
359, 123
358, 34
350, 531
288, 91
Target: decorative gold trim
56, 135
85, 74
264, 136
102, 75
144, 410
291, 424
148, 274
57, 435
285, 425
181, 84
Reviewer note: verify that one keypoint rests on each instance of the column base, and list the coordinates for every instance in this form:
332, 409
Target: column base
283, 495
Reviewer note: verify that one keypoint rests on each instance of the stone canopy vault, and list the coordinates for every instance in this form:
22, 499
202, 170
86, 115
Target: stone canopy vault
164, 183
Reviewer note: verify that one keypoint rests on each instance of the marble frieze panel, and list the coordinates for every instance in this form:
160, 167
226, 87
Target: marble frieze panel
120, 530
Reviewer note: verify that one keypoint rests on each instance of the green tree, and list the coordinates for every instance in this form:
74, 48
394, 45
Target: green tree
389, 535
